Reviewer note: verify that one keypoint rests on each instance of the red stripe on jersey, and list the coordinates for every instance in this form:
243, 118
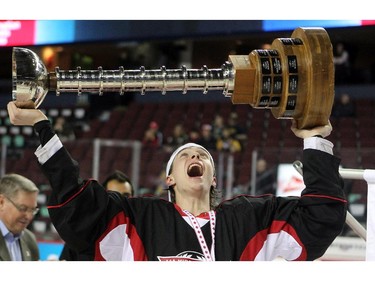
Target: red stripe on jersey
135, 241
256, 244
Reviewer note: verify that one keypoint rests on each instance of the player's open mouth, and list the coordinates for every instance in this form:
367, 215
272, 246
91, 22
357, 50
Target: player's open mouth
195, 170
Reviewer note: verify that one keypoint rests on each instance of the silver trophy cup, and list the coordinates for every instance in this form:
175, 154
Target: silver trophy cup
293, 79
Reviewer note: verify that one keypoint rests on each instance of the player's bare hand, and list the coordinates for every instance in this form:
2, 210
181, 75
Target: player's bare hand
323, 131
24, 116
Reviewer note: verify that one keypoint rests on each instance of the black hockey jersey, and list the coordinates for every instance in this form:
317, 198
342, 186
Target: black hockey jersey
106, 226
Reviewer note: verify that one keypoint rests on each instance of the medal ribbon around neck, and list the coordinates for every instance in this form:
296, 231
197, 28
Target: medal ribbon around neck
209, 255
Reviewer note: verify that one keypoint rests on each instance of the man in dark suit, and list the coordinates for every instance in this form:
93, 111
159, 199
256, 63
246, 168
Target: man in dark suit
18, 205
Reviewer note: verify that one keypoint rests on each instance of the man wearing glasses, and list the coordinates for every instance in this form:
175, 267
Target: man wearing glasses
18, 205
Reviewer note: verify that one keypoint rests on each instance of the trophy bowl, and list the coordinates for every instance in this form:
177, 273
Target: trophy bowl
29, 77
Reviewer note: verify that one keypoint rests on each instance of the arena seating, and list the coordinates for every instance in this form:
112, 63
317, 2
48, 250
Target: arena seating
271, 138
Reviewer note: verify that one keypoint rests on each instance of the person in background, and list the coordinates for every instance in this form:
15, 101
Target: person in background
206, 138
178, 137
120, 182
218, 125
342, 64
265, 178
63, 129
194, 135
116, 182
18, 206
153, 137
344, 107
227, 143
194, 224
236, 130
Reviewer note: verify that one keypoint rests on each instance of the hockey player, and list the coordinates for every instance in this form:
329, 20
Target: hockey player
192, 226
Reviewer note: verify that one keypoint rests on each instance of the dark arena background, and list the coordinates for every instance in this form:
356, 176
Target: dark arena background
106, 132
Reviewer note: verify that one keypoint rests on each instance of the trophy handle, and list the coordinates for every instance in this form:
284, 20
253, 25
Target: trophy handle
294, 79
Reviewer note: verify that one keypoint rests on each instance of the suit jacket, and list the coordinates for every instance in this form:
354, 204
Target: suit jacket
29, 247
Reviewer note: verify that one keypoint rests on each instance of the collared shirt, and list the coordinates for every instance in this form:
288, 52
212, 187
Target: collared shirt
12, 241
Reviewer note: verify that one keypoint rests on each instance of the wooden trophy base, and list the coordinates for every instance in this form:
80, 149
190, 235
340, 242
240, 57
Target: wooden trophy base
294, 79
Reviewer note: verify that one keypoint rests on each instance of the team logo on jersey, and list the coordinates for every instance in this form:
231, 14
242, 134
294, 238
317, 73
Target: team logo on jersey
184, 256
